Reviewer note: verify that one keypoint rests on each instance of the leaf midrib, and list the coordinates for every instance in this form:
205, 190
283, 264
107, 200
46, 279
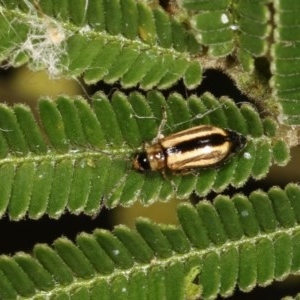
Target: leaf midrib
165, 262
71, 155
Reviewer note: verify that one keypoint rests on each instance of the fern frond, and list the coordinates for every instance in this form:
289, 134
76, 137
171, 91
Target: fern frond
286, 67
222, 25
84, 158
124, 41
237, 242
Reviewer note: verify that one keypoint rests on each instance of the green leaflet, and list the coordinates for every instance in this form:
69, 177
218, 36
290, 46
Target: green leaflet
74, 258
208, 266
84, 160
11, 131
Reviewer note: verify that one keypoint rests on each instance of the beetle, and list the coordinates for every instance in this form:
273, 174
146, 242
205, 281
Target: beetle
201, 146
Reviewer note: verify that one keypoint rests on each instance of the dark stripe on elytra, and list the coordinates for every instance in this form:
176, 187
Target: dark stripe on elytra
207, 157
210, 140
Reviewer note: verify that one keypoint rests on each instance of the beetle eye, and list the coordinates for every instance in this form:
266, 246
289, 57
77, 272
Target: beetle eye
142, 162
